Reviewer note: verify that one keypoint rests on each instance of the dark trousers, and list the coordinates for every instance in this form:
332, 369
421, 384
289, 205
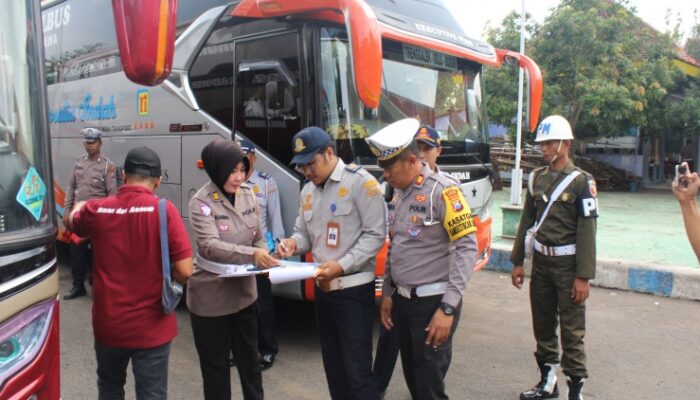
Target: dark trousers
80, 263
550, 300
386, 355
424, 368
215, 338
344, 319
150, 368
267, 341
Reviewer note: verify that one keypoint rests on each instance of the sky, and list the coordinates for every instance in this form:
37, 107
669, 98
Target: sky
493, 11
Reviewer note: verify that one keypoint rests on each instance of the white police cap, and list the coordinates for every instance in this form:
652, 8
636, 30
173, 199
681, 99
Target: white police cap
91, 135
391, 140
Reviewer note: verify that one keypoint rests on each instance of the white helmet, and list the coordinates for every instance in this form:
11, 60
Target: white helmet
554, 127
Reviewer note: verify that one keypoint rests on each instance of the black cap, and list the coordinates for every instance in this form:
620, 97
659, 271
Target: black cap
142, 161
307, 142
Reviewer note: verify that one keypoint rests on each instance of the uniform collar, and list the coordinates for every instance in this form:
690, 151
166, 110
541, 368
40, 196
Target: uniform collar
134, 189
337, 171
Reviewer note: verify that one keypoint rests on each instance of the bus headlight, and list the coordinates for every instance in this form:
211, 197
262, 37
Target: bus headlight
22, 337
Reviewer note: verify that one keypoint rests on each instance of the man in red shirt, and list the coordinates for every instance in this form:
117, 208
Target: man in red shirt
127, 315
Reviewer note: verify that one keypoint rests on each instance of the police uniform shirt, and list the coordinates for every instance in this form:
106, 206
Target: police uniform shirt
268, 198
343, 221
90, 180
426, 249
225, 234
447, 175
571, 219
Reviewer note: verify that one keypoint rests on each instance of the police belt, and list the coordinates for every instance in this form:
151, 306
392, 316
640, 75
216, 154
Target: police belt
219, 268
348, 281
431, 289
555, 251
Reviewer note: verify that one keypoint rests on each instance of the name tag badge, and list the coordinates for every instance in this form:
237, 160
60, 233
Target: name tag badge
333, 234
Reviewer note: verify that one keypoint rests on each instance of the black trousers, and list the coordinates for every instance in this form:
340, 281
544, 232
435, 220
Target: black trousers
386, 355
267, 340
424, 368
344, 319
214, 338
80, 262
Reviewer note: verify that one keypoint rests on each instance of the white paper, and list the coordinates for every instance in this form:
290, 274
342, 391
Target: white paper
290, 271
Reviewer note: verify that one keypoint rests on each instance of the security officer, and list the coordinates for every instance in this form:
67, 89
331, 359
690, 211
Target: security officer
563, 260
342, 222
93, 176
268, 198
430, 261
430, 148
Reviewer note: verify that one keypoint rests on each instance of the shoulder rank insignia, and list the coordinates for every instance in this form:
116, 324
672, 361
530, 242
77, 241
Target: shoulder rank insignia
263, 175
353, 167
216, 196
420, 180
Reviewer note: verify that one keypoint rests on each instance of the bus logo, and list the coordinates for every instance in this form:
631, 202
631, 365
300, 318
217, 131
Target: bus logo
143, 103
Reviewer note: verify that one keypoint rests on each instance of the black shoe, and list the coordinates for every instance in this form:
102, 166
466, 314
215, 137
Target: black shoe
546, 388
266, 361
232, 361
75, 292
575, 387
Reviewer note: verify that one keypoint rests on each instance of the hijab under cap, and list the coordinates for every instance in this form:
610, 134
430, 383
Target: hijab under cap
220, 158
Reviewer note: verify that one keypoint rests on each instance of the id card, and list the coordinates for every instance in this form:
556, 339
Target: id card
333, 234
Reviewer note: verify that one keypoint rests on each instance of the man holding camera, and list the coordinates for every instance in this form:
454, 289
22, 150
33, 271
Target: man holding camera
563, 259
685, 187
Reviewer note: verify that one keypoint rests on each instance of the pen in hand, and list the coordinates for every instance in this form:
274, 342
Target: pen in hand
282, 246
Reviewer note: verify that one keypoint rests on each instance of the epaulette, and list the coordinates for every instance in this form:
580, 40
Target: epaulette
264, 175
353, 167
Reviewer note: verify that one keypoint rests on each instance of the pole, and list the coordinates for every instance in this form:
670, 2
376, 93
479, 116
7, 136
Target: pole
516, 180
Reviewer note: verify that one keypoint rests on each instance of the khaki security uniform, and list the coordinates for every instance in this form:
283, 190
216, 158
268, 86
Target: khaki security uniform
225, 234
571, 221
350, 203
432, 243
90, 180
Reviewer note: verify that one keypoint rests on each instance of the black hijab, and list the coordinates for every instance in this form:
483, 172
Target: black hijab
220, 158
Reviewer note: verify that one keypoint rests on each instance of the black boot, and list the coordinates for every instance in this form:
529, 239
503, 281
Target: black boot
76, 291
546, 388
575, 387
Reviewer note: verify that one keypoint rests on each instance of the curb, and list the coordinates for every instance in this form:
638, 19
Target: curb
659, 280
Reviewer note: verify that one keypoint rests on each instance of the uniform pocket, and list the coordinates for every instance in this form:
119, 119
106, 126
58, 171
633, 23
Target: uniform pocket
342, 209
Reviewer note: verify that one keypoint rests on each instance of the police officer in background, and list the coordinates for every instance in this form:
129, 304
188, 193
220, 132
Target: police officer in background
93, 176
430, 261
430, 148
268, 199
563, 260
342, 222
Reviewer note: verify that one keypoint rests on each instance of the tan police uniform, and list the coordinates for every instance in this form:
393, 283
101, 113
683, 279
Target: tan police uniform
90, 180
224, 234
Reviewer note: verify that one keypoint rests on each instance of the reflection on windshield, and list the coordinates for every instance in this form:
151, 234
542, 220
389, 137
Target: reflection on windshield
436, 92
23, 164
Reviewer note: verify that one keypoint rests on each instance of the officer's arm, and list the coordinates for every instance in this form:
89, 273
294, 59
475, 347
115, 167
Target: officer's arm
586, 230
387, 284
527, 220
273, 209
457, 220
301, 231
111, 179
70, 193
367, 197
209, 244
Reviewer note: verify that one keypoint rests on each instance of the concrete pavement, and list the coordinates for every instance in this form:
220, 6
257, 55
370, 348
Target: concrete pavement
642, 245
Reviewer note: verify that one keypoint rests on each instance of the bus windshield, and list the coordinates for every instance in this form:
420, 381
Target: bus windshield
24, 162
438, 89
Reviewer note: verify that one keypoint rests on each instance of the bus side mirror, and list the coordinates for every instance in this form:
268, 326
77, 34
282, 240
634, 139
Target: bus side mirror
146, 37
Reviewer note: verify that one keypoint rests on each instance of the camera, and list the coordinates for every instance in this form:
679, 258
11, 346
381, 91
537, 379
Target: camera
681, 170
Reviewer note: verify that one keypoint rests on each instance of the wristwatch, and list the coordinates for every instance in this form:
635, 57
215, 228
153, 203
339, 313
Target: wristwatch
447, 309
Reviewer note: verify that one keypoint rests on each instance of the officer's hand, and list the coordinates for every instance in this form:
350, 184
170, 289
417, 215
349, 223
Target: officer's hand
580, 291
517, 275
286, 247
438, 329
686, 187
66, 214
264, 260
328, 270
385, 313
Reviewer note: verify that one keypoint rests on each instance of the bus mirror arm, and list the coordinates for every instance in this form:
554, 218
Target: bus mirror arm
535, 85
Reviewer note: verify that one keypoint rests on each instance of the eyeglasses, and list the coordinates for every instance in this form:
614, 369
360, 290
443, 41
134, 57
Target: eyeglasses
301, 168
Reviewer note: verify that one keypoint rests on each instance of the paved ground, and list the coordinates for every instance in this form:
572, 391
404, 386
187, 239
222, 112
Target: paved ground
642, 226
640, 347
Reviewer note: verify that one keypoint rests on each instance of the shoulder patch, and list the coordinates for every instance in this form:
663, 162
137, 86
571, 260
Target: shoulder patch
263, 175
458, 220
353, 167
